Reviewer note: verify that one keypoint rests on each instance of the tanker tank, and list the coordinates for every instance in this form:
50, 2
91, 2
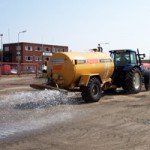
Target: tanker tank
74, 69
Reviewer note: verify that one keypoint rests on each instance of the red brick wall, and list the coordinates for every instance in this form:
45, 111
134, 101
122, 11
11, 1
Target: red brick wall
33, 53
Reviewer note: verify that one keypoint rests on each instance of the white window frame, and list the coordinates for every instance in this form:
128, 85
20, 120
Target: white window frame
38, 48
28, 48
31, 58
55, 49
45, 58
64, 50
47, 49
38, 58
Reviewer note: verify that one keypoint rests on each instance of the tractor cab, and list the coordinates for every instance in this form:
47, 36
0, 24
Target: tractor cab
124, 57
128, 70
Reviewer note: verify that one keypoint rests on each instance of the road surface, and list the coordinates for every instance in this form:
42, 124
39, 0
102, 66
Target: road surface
41, 120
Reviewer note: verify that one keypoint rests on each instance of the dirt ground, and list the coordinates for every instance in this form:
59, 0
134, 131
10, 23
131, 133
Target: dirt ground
117, 122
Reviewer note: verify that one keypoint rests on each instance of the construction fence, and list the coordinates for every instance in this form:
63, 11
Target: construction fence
18, 68
146, 65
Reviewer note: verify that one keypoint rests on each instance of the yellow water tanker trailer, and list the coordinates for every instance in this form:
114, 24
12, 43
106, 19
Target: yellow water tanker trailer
87, 72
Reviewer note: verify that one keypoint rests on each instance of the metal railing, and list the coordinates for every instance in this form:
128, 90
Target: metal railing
18, 69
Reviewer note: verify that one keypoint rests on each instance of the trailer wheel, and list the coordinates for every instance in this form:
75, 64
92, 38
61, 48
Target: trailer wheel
146, 76
133, 81
92, 93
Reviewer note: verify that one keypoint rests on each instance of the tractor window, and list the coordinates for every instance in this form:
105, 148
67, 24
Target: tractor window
122, 59
133, 58
112, 55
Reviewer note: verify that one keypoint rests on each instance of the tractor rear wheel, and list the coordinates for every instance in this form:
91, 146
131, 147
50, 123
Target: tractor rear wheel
133, 81
146, 76
92, 93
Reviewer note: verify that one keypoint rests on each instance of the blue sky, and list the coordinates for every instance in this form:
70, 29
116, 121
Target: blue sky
79, 24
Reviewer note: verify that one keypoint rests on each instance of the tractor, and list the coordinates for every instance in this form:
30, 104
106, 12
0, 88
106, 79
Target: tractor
129, 73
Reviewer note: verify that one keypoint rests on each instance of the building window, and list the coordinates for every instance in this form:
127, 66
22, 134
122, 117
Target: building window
47, 49
55, 49
18, 58
64, 50
38, 48
46, 58
28, 48
6, 49
38, 58
29, 58
18, 48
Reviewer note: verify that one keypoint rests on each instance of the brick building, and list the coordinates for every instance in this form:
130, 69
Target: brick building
24, 52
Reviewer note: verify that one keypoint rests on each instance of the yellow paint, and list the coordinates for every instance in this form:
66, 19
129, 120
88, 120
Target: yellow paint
77, 74
84, 80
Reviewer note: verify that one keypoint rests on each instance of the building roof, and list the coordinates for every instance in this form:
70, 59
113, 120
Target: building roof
33, 43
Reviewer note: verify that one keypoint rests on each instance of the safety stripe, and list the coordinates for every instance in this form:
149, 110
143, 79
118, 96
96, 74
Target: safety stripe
57, 67
92, 61
105, 60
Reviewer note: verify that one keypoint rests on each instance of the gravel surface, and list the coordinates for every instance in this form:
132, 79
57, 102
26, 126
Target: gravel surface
41, 120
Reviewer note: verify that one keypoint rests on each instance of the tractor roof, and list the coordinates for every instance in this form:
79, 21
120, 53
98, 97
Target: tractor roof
122, 51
